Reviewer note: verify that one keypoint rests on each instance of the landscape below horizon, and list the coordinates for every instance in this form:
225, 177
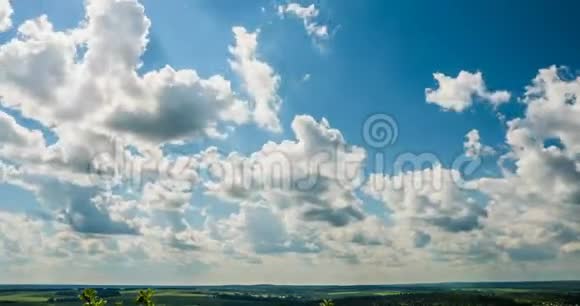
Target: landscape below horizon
479, 293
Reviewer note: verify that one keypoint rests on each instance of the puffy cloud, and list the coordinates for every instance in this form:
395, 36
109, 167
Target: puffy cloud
296, 196
14, 135
527, 214
457, 94
106, 22
307, 14
571, 248
316, 174
179, 105
109, 194
473, 146
35, 68
263, 230
20, 236
87, 76
432, 216
259, 78
6, 12
552, 107
7, 172
428, 198
78, 206
368, 242
167, 194
266, 231
82, 85
534, 209
108, 120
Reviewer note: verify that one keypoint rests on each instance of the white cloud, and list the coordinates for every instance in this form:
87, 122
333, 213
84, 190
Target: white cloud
82, 85
571, 248
6, 12
297, 207
19, 236
428, 198
7, 172
534, 209
170, 195
473, 147
307, 14
553, 107
259, 78
530, 213
48, 77
317, 174
14, 135
178, 105
264, 230
432, 217
458, 94
298, 197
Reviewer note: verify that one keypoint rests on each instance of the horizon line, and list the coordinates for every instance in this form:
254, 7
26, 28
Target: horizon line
288, 285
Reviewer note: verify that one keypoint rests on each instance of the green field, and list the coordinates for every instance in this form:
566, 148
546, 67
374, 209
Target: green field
24, 297
387, 293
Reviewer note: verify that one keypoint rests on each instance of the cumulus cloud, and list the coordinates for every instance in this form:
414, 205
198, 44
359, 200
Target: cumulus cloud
316, 174
535, 207
13, 134
428, 198
308, 15
295, 203
6, 12
259, 229
7, 172
20, 237
109, 122
473, 147
49, 76
457, 94
527, 214
259, 78
183, 106
82, 85
77, 206
433, 217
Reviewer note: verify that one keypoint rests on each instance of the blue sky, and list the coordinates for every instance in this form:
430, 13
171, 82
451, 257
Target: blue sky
485, 89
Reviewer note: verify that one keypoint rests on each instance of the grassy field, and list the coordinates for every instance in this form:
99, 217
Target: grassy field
24, 297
